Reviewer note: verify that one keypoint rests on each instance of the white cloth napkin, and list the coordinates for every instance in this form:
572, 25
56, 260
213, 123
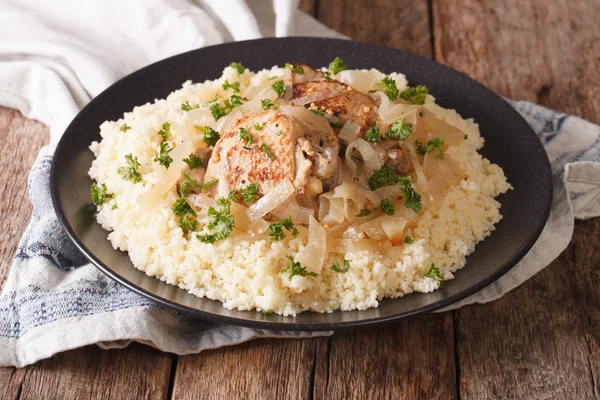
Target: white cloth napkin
57, 55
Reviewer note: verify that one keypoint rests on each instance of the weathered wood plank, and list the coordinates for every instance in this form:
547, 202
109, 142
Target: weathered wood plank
136, 372
11, 380
541, 340
276, 369
308, 6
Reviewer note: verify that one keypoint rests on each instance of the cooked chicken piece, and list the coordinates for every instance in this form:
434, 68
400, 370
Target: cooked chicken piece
396, 158
347, 105
326, 163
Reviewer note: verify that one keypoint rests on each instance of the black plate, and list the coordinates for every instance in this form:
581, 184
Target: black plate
510, 142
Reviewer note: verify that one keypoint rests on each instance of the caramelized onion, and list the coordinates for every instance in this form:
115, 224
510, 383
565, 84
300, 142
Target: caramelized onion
271, 200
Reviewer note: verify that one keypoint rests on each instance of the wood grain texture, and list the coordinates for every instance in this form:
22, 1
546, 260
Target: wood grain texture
262, 369
136, 372
21, 140
539, 341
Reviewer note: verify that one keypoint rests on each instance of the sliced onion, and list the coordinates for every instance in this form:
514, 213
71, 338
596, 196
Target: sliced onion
421, 178
441, 129
224, 123
170, 177
398, 111
352, 245
288, 84
255, 104
393, 226
370, 158
313, 255
447, 169
271, 200
335, 214
298, 214
315, 96
240, 215
373, 229
349, 132
382, 100
258, 226
252, 92
387, 191
363, 81
307, 118
201, 201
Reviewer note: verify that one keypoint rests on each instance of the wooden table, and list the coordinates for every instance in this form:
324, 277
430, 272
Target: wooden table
540, 341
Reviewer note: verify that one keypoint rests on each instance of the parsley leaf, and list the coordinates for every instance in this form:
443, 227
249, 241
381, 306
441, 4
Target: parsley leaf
297, 69
279, 88
210, 135
267, 312
221, 222
435, 143
415, 95
187, 107
163, 157
267, 150
165, 132
400, 130
390, 88
124, 128
382, 177
327, 75
258, 126
218, 111
337, 65
188, 183
372, 135
412, 199
249, 193
296, 268
465, 137
279, 133
364, 213
235, 86
408, 240
435, 274
335, 125
318, 112
336, 267
130, 171
99, 194
388, 206
245, 136
234, 102
238, 67
193, 161
114, 207
275, 230
187, 215
266, 104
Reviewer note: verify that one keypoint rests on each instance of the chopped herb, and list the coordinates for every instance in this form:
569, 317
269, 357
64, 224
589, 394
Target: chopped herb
296, 268
210, 135
193, 161
412, 199
187, 215
267, 312
390, 88
258, 126
337, 65
415, 95
238, 67
187, 107
382, 177
221, 222
357, 158
234, 102
435, 143
266, 104
279, 88
218, 111
165, 132
100, 194
327, 75
421, 114
388, 206
465, 137
279, 133
400, 130
276, 229
435, 274
124, 128
114, 207
235, 86
245, 136
249, 193
163, 157
336, 267
335, 125
408, 239
276, 125
297, 69
130, 171
364, 213
372, 135
267, 150
188, 183
318, 112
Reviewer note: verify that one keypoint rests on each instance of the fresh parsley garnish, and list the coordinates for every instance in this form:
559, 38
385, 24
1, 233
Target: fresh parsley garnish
187, 107
382, 177
372, 135
296, 268
221, 222
435, 143
297, 69
211, 137
258, 127
327, 75
279, 133
163, 157
387, 206
364, 212
249, 193
114, 207
100, 194
400, 130
188, 183
235, 86
335, 125
318, 112
415, 95
267, 150
193, 161
337, 65
267, 312
336, 266
238, 67
412, 199
408, 239
186, 214
275, 230
234, 101
130, 170
279, 88
218, 111
266, 104
245, 136
389, 87
465, 137
435, 274
165, 131
124, 128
